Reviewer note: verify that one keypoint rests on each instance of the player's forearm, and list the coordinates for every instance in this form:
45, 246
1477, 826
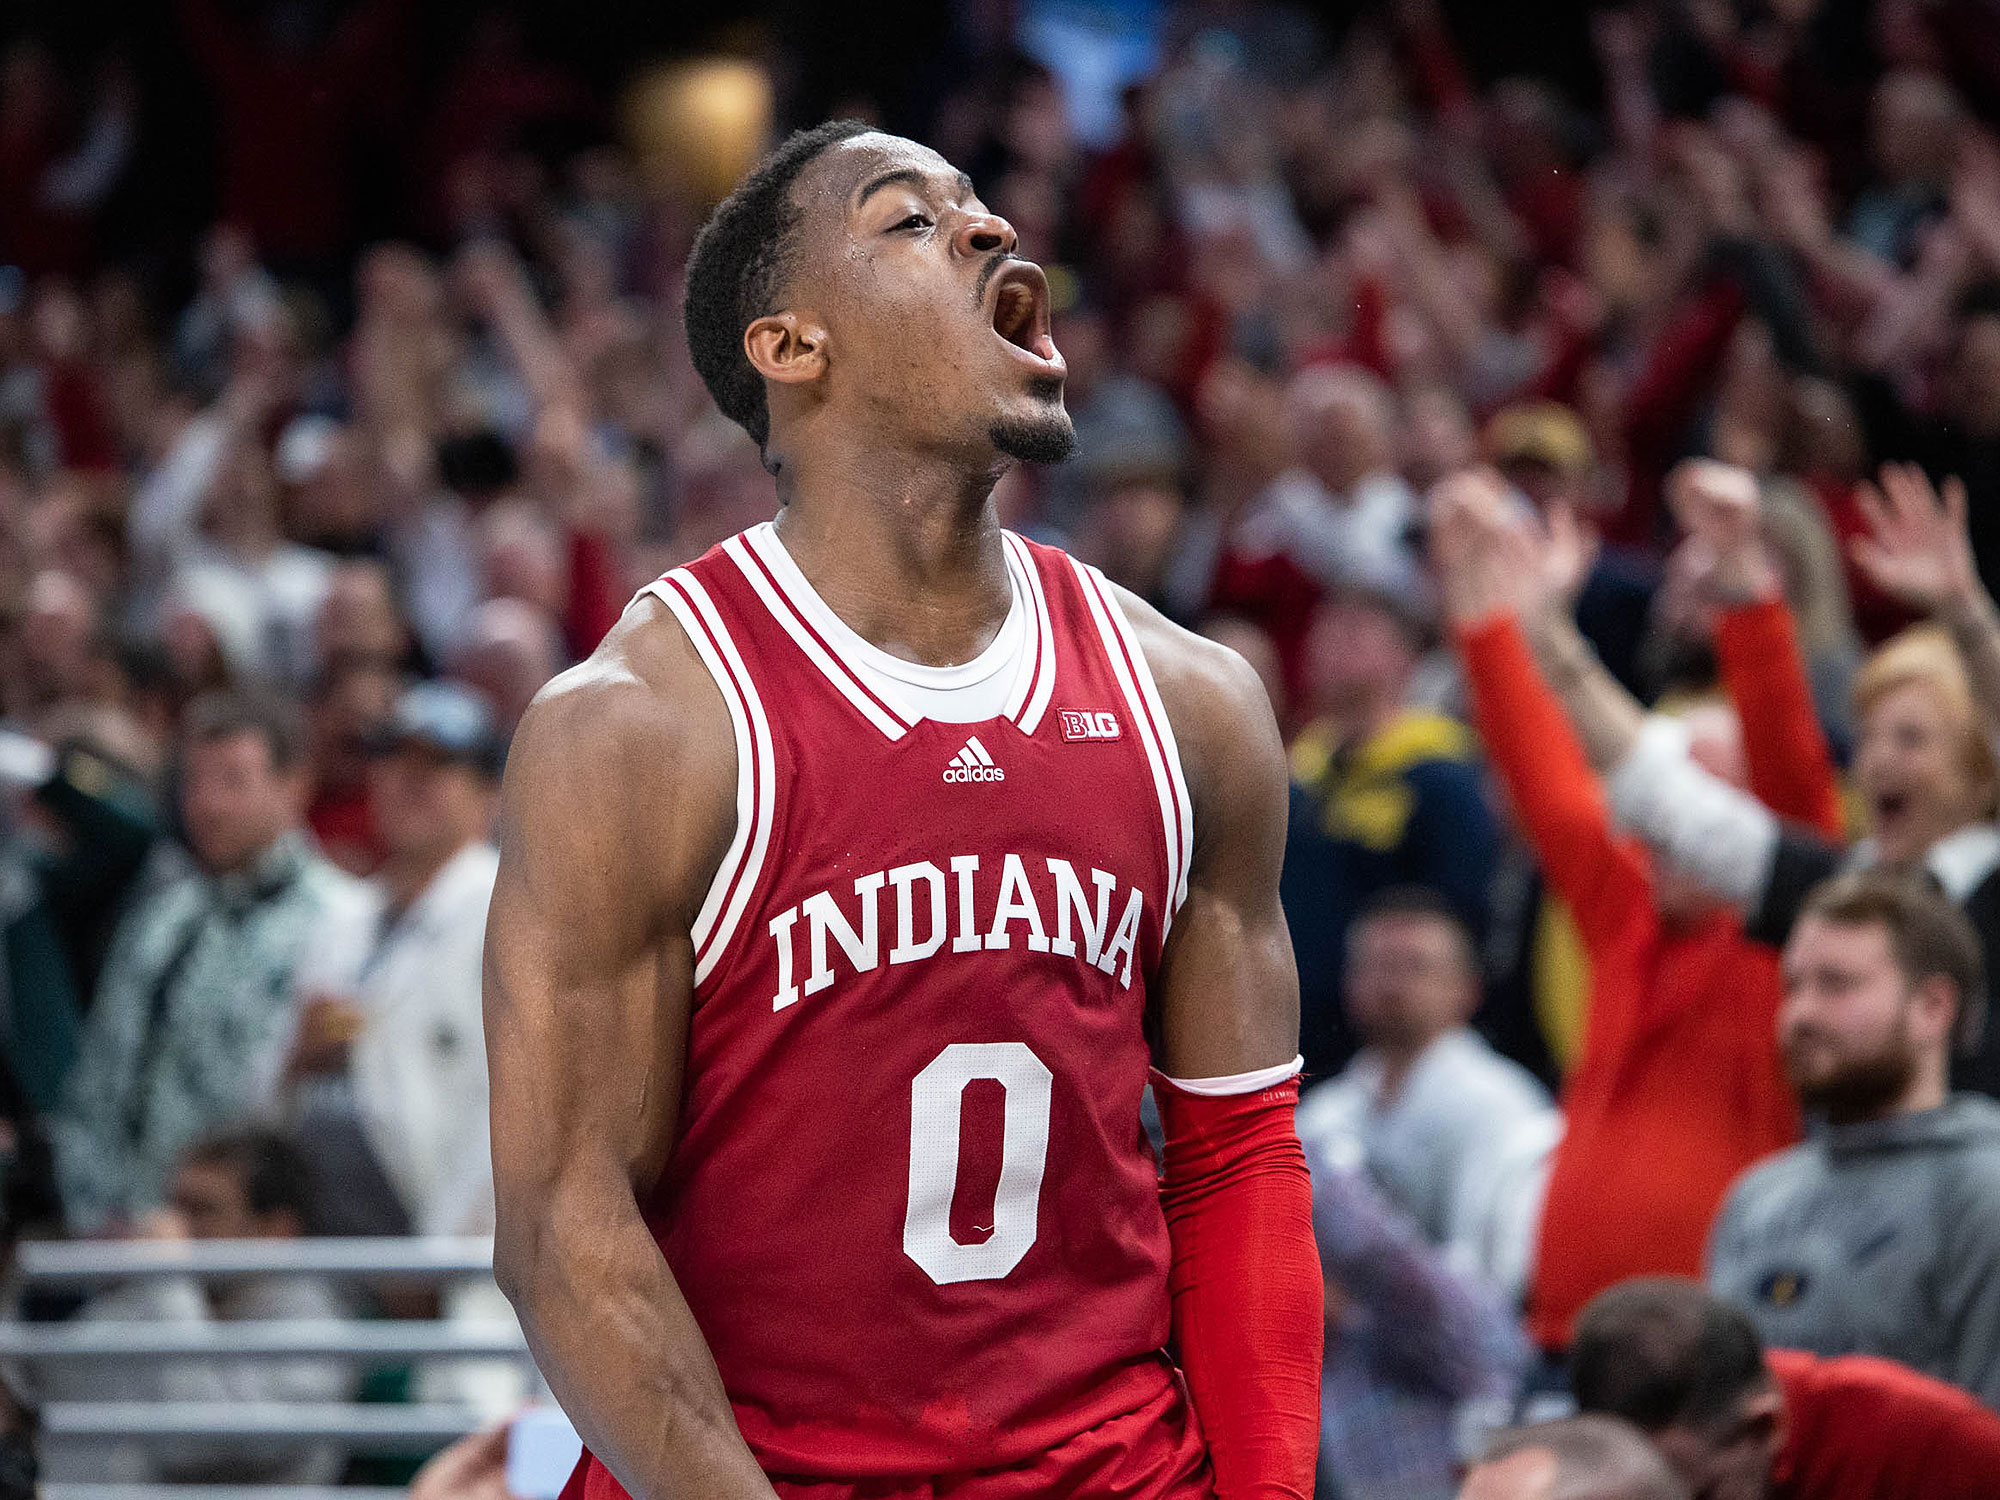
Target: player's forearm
623, 1355
1605, 716
1246, 1285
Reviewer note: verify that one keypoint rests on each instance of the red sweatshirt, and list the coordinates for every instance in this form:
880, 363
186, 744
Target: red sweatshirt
1763, 671
1678, 1086
1859, 1428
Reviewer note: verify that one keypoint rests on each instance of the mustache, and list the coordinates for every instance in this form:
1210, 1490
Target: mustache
987, 273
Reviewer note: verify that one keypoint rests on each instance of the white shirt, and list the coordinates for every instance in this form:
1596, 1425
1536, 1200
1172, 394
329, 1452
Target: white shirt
1359, 539
418, 1066
1464, 1122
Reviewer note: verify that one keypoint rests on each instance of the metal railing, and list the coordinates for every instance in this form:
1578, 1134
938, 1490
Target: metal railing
356, 1428
76, 1263
62, 1490
358, 1343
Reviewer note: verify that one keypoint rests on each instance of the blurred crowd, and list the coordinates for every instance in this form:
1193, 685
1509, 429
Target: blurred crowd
1607, 490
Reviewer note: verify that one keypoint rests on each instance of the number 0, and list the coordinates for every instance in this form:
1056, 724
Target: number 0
937, 1098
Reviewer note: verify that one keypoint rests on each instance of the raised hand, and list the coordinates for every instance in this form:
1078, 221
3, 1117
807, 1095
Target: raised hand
1566, 555
1716, 505
1917, 547
1491, 554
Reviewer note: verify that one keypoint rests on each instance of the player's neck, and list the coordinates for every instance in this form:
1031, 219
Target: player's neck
911, 560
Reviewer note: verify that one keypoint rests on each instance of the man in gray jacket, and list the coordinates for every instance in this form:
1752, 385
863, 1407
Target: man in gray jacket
1880, 1234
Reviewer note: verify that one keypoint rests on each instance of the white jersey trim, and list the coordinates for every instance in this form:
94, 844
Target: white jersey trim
736, 877
893, 718
1156, 735
1041, 686
762, 559
1240, 1083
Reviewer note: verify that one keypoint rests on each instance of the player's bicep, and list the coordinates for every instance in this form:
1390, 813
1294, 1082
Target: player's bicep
1229, 991
588, 971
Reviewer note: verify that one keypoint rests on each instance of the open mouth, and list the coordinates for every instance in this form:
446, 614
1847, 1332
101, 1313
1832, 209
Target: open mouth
1890, 806
1021, 311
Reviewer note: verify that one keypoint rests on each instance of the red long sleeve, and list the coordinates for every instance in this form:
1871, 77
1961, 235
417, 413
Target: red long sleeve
1791, 769
1555, 794
1248, 1298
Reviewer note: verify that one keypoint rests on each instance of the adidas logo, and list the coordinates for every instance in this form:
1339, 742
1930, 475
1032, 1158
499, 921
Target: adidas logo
973, 764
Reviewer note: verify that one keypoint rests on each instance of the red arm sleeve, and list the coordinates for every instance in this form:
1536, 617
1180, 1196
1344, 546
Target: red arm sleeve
1248, 1300
1554, 792
1791, 769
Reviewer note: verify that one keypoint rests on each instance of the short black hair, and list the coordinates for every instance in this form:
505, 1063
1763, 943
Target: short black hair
223, 715
1664, 1351
273, 1170
739, 260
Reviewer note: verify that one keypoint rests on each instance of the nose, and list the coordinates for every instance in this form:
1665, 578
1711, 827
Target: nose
984, 234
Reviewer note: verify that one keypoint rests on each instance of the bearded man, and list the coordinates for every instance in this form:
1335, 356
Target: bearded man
1881, 1233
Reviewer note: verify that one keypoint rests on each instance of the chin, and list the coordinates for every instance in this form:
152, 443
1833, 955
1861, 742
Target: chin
1041, 437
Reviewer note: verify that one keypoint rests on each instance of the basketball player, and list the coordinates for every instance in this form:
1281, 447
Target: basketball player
847, 893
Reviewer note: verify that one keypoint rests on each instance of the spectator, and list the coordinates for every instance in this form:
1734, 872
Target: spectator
1418, 1352
1430, 1110
1386, 795
1543, 449
1580, 1458
199, 977
1677, 1087
1353, 512
349, 704
384, 1067
509, 650
358, 619
241, 1184
1924, 765
1881, 1234
1735, 1420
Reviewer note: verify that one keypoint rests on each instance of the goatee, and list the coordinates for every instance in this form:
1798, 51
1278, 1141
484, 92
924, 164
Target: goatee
1046, 439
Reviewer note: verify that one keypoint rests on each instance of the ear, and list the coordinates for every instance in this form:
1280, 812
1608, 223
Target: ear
1936, 1008
787, 346
1766, 1420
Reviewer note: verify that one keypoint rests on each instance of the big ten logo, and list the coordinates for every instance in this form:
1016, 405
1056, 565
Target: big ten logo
1083, 724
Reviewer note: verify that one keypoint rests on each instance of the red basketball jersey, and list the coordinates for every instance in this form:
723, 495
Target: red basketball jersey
910, 1202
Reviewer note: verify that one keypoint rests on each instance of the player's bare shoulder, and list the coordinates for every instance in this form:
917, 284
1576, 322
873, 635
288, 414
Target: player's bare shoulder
1231, 751
629, 759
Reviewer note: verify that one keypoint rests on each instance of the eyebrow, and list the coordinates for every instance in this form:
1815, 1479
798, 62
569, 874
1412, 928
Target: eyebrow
911, 176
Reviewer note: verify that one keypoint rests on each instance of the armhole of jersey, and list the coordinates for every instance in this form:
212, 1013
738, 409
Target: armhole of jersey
1149, 721
729, 893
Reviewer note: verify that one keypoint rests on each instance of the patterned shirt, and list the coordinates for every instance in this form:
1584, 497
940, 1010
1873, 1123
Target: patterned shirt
198, 979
